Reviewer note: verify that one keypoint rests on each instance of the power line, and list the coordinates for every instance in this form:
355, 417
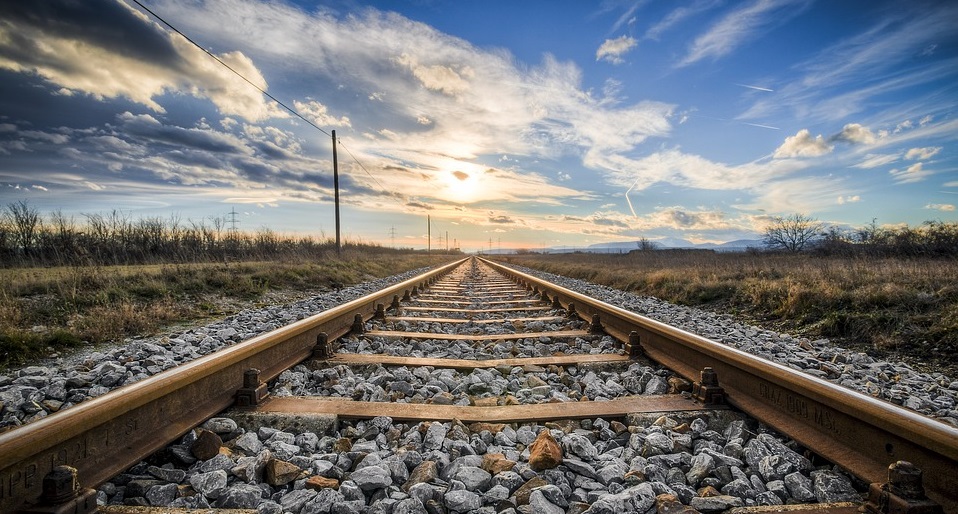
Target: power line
294, 112
238, 74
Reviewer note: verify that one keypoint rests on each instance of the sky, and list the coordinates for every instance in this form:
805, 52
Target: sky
511, 124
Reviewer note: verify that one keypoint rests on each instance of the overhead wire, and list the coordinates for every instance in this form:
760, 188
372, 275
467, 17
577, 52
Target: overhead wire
238, 74
294, 112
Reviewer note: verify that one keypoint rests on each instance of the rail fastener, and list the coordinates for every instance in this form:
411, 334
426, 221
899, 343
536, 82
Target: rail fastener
62, 494
253, 392
902, 494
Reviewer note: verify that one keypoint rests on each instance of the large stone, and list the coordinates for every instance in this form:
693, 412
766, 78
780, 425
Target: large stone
540, 505
544, 452
716, 503
523, 492
475, 479
495, 463
240, 496
831, 487
371, 478
279, 472
462, 501
424, 472
208, 483
206, 445
317, 482
799, 487
670, 504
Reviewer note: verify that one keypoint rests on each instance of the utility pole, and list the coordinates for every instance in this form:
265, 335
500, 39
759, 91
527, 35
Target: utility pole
339, 247
392, 235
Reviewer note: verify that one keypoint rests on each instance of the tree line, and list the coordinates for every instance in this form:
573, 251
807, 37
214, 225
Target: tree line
116, 238
801, 233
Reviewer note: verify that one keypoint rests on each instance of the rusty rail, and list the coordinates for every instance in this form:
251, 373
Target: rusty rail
106, 435
861, 433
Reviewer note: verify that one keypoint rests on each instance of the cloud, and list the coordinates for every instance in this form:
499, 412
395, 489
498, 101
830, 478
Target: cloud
943, 207
501, 219
842, 200
612, 50
105, 49
438, 77
802, 144
922, 154
739, 26
678, 15
875, 160
829, 85
856, 134
911, 174
318, 113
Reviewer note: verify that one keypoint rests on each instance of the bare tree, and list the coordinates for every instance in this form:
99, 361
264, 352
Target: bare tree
792, 233
26, 225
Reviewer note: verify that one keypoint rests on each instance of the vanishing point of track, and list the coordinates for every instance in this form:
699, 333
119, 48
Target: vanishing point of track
104, 436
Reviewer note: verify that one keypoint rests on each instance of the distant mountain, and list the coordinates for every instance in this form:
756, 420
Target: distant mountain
738, 245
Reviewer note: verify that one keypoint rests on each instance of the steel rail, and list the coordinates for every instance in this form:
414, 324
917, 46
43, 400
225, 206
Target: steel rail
860, 433
106, 435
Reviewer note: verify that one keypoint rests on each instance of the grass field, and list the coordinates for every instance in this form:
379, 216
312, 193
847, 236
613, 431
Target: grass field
48, 310
888, 307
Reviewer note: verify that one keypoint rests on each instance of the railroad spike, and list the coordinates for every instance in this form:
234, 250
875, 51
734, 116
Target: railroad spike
253, 391
707, 390
358, 327
556, 304
570, 312
395, 306
545, 296
406, 297
902, 494
635, 346
380, 311
323, 350
596, 326
62, 494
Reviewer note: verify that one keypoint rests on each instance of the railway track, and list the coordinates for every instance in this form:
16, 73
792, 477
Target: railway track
503, 382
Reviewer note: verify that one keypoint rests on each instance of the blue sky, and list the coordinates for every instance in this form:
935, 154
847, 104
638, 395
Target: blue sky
527, 123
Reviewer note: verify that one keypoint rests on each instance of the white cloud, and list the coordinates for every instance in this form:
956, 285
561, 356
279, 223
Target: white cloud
943, 207
438, 77
875, 160
802, 144
842, 200
92, 62
739, 26
612, 50
318, 113
856, 134
922, 154
911, 174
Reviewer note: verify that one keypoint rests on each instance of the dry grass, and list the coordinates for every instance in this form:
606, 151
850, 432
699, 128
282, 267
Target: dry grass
889, 307
46, 310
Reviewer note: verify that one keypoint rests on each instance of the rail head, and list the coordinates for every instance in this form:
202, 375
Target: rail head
860, 432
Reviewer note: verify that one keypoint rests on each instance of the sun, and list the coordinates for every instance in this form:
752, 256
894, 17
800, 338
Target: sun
461, 187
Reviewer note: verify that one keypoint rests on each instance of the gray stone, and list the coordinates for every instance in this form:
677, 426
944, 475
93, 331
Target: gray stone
240, 496
409, 506
715, 503
830, 487
208, 483
161, 495
249, 443
579, 445
553, 494
539, 504
579, 467
325, 501
462, 501
435, 434
293, 501
170, 475
799, 487
220, 425
702, 466
474, 478
371, 478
